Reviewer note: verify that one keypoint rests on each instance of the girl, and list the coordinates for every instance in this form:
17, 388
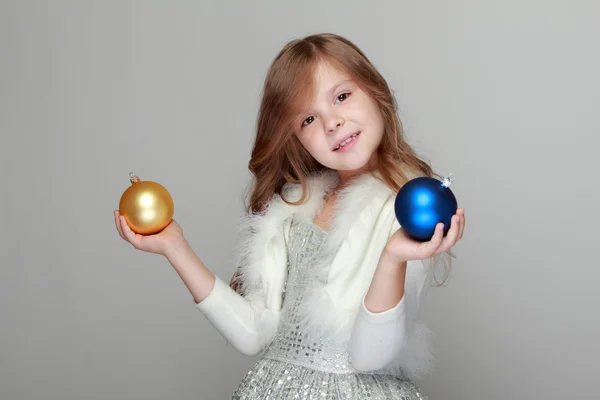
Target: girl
327, 284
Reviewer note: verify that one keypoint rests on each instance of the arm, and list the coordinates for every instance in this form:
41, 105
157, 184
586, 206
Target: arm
387, 287
385, 322
195, 275
246, 323
380, 328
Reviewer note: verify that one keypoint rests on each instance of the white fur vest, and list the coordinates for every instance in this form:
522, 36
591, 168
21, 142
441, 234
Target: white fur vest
362, 224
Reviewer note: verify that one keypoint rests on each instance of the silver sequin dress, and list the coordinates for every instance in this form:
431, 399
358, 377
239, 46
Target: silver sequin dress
294, 366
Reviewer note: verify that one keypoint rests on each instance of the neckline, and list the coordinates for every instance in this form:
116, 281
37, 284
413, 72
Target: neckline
319, 228
311, 223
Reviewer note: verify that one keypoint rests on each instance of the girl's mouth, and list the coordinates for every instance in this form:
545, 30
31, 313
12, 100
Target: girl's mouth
347, 144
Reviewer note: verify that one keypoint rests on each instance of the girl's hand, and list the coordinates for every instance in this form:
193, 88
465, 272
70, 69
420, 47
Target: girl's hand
159, 243
402, 248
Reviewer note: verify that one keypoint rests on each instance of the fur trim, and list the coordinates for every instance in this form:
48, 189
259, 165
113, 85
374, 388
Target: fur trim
261, 257
416, 357
363, 221
335, 296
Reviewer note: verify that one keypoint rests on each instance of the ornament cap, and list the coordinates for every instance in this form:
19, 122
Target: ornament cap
133, 178
448, 180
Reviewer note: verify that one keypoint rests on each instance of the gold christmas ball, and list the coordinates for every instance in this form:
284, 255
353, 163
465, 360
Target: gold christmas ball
147, 206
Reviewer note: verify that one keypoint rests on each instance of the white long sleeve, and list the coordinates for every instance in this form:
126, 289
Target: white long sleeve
246, 323
378, 339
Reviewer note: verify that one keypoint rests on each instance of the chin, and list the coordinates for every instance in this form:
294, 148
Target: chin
352, 161
352, 165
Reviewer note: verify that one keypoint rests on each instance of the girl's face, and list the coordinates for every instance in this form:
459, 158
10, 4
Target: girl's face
342, 126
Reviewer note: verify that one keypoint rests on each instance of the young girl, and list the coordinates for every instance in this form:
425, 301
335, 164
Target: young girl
327, 284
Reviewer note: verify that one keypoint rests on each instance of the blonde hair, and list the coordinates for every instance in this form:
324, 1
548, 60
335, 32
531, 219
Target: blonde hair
278, 156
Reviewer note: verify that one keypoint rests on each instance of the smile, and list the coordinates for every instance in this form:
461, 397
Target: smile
347, 144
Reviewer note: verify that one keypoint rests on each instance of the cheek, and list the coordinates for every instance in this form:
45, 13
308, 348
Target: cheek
309, 141
377, 119
313, 136
369, 110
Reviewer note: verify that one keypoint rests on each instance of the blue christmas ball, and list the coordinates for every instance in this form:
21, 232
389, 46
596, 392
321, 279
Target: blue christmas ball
421, 203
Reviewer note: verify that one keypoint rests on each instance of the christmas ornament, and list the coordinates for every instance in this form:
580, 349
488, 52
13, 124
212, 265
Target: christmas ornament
424, 202
147, 206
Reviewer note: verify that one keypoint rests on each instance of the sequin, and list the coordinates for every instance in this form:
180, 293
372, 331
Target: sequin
295, 366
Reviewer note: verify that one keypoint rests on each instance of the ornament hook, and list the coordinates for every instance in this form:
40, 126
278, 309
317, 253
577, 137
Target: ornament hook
133, 177
448, 180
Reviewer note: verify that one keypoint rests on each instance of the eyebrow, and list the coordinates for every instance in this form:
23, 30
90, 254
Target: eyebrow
300, 113
338, 85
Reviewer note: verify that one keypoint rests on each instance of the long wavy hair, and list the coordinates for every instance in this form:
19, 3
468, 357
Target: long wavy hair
278, 157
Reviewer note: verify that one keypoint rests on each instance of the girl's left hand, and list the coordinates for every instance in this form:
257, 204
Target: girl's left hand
403, 248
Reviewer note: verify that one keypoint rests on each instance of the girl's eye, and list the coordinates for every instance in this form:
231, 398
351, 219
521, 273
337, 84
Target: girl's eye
343, 97
339, 99
308, 121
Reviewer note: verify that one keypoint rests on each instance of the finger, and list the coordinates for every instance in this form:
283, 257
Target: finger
118, 225
454, 229
462, 226
452, 236
129, 234
436, 240
456, 224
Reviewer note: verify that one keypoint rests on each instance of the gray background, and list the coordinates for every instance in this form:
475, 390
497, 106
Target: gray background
501, 94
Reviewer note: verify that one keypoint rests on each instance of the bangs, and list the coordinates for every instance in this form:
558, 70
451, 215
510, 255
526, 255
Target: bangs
301, 90
305, 84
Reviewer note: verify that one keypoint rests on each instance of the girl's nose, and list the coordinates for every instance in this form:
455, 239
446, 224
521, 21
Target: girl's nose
334, 124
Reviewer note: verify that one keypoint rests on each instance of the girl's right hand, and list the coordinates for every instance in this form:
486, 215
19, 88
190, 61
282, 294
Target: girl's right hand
160, 243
